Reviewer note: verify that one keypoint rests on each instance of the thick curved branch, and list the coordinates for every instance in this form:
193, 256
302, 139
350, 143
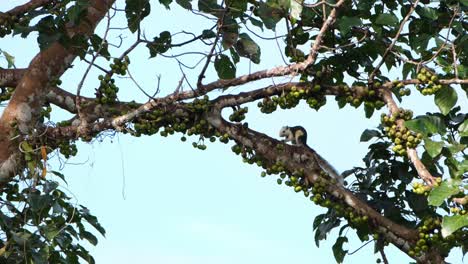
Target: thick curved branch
294, 158
10, 77
22, 112
29, 6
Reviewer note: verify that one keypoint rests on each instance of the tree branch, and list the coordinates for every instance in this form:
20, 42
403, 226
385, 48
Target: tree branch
31, 5
22, 112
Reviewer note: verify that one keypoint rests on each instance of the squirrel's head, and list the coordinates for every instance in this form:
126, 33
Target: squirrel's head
283, 131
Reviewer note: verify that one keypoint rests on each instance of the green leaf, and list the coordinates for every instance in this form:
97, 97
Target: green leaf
224, 67
100, 45
463, 167
160, 44
387, 20
136, 10
368, 110
207, 34
92, 220
185, 4
78, 11
427, 12
229, 39
318, 219
48, 32
417, 202
324, 227
10, 59
256, 22
433, 148
427, 125
90, 237
269, 15
237, 7
235, 57
210, 7
166, 3
452, 223
446, 189
39, 202
51, 232
338, 251
60, 175
247, 48
407, 69
21, 237
296, 9
345, 24
463, 128
230, 33
368, 134
445, 99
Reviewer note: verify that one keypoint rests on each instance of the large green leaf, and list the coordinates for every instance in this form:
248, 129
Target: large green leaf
368, 134
270, 15
210, 7
452, 223
387, 20
433, 147
427, 12
247, 48
427, 125
224, 67
160, 44
463, 128
446, 189
445, 99
166, 3
318, 219
237, 7
185, 4
338, 251
345, 24
136, 10
90, 237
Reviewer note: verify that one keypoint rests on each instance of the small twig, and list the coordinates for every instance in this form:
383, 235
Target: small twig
157, 87
359, 248
384, 257
137, 85
454, 54
461, 201
208, 59
184, 75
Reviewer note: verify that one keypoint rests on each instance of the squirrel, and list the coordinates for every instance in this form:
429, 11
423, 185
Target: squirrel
298, 136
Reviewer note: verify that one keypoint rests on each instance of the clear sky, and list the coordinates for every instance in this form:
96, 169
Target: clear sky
162, 201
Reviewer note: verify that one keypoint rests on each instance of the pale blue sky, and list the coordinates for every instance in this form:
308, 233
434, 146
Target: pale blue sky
183, 205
